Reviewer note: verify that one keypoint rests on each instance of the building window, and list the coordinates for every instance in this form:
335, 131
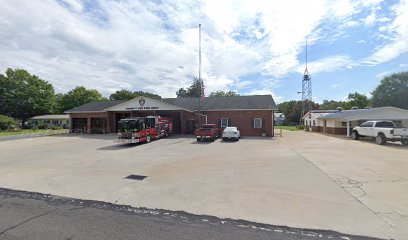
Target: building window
55, 122
314, 122
257, 122
343, 124
224, 122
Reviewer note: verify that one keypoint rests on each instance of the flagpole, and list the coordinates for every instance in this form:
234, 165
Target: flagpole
199, 68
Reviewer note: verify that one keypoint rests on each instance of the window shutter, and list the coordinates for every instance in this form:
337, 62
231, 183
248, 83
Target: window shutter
263, 122
219, 122
252, 122
229, 122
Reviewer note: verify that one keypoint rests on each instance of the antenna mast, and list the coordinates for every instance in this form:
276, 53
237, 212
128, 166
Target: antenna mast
306, 90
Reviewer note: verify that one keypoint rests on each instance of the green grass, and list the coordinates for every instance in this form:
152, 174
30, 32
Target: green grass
289, 128
27, 132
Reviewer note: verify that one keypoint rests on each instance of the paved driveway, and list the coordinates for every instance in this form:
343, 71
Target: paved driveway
277, 181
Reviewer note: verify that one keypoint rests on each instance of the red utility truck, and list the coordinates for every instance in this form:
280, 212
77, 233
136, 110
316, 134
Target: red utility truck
208, 132
143, 129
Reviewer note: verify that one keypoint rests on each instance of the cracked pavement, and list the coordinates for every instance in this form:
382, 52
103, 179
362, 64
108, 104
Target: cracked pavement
376, 176
303, 180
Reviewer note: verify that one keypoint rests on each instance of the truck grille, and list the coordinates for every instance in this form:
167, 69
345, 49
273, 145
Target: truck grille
126, 135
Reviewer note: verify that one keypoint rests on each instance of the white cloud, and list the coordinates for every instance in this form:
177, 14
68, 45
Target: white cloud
329, 64
74, 4
383, 74
370, 19
153, 46
396, 33
336, 85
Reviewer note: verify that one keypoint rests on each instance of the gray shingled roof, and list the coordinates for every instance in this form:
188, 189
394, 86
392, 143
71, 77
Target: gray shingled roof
224, 103
260, 102
98, 106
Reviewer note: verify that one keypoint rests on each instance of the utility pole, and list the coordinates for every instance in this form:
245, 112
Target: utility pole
306, 91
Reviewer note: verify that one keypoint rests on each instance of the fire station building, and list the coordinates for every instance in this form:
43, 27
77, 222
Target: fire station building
253, 115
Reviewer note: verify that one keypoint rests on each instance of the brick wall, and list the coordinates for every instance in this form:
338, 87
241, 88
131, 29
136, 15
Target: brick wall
241, 119
340, 131
244, 120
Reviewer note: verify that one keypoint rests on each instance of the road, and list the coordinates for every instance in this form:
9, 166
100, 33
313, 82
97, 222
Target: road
28, 215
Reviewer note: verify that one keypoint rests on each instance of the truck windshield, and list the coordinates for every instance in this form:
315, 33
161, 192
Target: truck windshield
129, 126
385, 124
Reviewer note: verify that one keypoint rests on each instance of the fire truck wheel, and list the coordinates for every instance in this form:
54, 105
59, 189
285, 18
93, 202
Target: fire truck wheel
148, 138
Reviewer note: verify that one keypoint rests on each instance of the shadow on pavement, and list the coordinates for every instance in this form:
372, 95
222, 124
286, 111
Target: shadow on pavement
120, 146
202, 142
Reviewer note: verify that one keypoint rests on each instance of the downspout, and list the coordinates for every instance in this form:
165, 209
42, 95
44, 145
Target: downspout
204, 116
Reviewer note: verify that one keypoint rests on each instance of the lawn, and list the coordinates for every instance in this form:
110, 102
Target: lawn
29, 131
289, 128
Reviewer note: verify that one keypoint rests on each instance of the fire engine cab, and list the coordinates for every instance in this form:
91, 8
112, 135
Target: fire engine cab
143, 129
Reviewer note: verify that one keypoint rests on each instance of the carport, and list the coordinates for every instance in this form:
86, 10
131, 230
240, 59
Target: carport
342, 122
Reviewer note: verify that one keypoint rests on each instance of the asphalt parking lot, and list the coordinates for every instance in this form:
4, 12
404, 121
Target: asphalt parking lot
305, 180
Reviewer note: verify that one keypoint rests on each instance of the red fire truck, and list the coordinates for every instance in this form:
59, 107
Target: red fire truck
143, 129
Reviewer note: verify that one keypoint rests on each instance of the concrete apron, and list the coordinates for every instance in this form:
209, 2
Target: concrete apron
376, 176
259, 180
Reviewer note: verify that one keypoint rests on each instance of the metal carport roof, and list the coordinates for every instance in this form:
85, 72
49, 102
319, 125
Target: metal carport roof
381, 113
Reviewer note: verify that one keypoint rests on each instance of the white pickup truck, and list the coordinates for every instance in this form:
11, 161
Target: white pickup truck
381, 131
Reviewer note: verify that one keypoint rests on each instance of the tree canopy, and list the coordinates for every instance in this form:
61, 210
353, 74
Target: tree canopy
357, 100
392, 91
23, 95
77, 97
193, 91
122, 95
127, 95
223, 94
293, 110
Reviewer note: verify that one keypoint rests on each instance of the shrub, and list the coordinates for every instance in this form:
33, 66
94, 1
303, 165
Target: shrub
300, 127
56, 128
27, 126
7, 123
41, 127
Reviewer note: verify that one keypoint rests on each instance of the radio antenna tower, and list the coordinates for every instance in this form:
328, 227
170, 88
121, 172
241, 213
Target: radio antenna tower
306, 90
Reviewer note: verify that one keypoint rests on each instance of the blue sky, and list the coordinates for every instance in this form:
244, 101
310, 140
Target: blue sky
251, 47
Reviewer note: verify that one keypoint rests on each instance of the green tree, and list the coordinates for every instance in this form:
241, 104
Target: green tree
357, 100
223, 94
193, 91
23, 95
293, 110
128, 95
331, 105
79, 96
146, 94
122, 95
392, 91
